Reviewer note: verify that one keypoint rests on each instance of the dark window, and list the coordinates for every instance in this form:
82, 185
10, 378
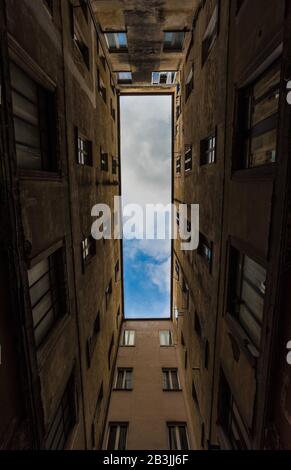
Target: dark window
116, 270
258, 107
84, 155
82, 47
114, 166
210, 34
188, 158
173, 41
189, 83
229, 417
92, 340
197, 326
247, 285
208, 150
103, 160
117, 436
178, 436
116, 41
186, 359
101, 87
64, 419
49, 4
47, 289
205, 249
110, 352
34, 122
123, 379
170, 379
88, 247
178, 165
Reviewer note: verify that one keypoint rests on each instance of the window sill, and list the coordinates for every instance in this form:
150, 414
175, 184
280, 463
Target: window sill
242, 339
39, 175
264, 172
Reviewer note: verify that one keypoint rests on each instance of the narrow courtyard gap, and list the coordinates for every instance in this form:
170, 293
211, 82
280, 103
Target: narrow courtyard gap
146, 143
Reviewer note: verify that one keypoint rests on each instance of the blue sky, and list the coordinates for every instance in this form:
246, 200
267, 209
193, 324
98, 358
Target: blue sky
146, 178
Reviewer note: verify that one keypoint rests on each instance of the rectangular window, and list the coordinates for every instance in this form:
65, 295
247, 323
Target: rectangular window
208, 150
116, 41
229, 417
88, 246
178, 165
178, 436
81, 47
64, 419
163, 78
114, 166
188, 158
170, 379
189, 83
128, 338
124, 78
47, 291
173, 41
84, 156
34, 122
101, 87
210, 34
117, 436
166, 338
123, 379
247, 285
258, 107
92, 340
103, 160
205, 249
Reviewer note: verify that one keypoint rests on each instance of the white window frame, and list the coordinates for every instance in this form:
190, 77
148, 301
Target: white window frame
170, 77
170, 371
124, 371
177, 433
170, 338
127, 344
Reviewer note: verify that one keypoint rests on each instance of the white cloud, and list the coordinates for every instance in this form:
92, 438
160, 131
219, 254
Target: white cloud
159, 275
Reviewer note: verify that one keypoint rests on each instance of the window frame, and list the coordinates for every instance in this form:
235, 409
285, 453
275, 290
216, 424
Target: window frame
205, 242
170, 371
208, 151
124, 81
188, 158
172, 48
123, 371
84, 157
171, 339
210, 36
118, 424
176, 426
123, 342
88, 247
171, 76
117, 48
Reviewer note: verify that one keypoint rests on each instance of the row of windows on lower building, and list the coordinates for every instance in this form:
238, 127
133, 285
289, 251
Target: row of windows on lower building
35, 128
118, 432
128, 338
124, 379
257, 108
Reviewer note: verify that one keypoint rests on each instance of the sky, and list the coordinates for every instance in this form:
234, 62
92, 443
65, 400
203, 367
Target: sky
146, 179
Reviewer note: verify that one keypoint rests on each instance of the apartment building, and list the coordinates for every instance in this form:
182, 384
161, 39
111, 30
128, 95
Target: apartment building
148, 409
231, 157
61, 295
65, 362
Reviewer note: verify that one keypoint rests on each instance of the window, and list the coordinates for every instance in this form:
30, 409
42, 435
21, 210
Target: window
47, 291
84, 156
101, 87
258, 107
124, 78
173, 41
116, 270
177, 269
123, 379
114, 166
64, 419
110, 352
188, 158
166, 338
178, 436
34, 122
210, 34
163, 78
205, 249
170, 379
208, 150
229, 417
178, 218
103, 160
247, 285
88, 249
178, 165
92, 340
117, 436
81, 46
116, 41
128, 338
189, 83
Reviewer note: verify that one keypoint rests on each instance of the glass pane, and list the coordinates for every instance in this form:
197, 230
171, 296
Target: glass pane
128, 379
263, 149
269, 80
43, 306
28, 158
37, 271
122, 437
24, 109
175, 380
183, 438
250, 325
131, 338
255, 273
21, 82
165, 338
26, 134
122, 41
166, 380
111, 40
44, 327
254, 300
39, 289
119, 381
173, 438
112, 437
266, 107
